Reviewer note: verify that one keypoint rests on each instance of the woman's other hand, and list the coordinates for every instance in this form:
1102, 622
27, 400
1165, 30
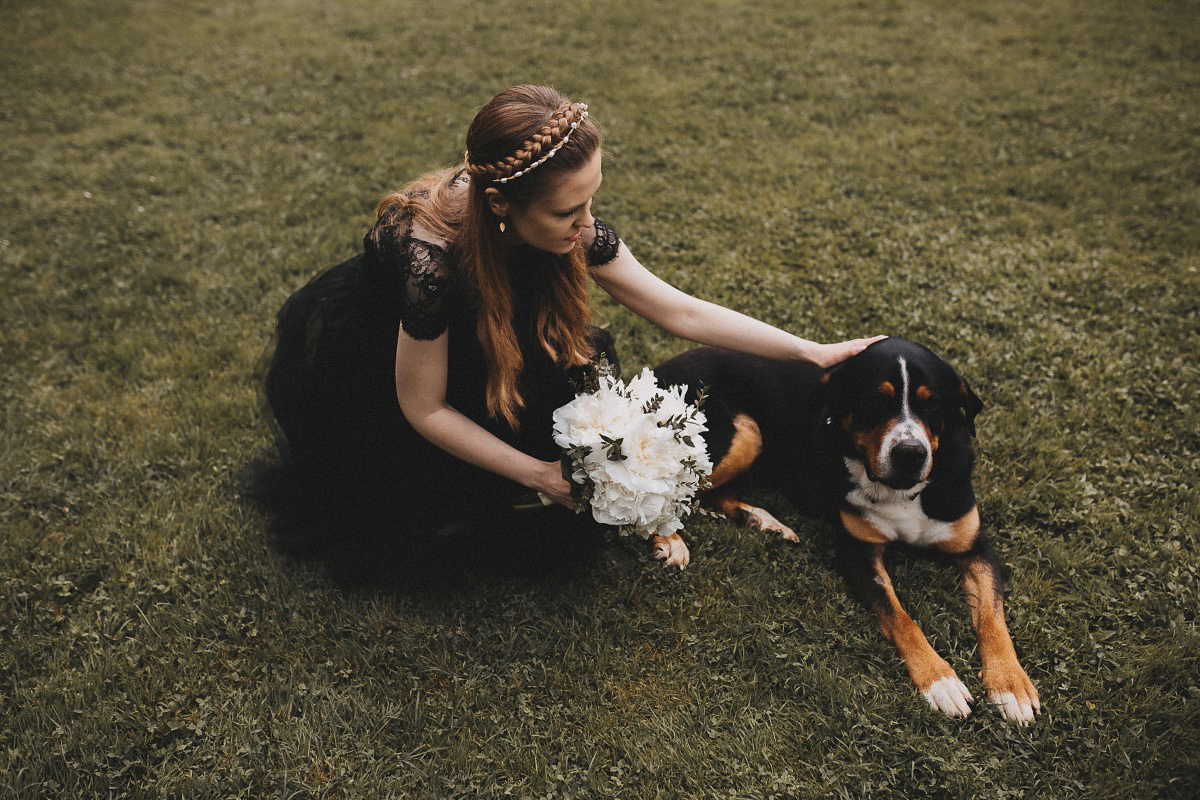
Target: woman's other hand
826, 355
549, 482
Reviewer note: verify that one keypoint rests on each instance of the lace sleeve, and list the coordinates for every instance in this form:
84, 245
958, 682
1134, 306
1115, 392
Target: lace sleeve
604, 247
420, 275
426, 283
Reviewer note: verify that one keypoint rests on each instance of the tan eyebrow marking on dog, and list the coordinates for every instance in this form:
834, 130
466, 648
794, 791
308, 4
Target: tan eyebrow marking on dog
887, 389
923, 393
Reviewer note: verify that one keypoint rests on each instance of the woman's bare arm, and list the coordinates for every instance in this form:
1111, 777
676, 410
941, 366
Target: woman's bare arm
680, 314
421, 368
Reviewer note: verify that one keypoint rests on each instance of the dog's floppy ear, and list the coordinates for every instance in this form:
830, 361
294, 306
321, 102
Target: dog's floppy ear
830, 390
969, 403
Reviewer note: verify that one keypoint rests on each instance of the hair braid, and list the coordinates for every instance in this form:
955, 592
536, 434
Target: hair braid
531, 150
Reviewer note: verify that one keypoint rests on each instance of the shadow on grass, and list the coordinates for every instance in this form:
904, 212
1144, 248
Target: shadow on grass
377, 545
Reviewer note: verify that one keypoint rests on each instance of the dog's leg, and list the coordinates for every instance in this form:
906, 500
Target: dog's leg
751, 516
670, 549
744, 448
1008, 687
862, 565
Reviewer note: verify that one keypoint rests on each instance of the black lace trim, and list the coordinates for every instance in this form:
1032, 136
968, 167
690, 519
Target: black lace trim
421, 269
427, 285
605, 247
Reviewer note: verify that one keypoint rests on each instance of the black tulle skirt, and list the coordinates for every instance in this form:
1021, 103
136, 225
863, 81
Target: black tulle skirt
354, 484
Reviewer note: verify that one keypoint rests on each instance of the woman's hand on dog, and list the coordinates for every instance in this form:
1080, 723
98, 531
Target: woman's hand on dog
827, 355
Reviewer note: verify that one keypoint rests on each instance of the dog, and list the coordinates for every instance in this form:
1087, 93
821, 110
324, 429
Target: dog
881, 445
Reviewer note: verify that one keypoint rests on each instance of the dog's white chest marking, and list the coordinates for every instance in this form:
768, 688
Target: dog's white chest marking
895, 513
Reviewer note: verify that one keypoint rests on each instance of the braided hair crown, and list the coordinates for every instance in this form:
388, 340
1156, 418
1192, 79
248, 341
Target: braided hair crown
500, 145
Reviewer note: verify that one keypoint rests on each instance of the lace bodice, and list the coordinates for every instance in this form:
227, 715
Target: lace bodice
421, 272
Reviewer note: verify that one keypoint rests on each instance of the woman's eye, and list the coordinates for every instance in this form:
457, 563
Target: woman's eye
570, 212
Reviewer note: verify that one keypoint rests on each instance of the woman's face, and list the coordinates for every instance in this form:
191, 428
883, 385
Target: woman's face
555, 219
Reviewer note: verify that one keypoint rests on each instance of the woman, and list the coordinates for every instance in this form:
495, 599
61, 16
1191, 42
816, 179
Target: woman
413, 385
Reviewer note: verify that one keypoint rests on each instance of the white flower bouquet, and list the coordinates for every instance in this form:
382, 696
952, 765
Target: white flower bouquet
635, 451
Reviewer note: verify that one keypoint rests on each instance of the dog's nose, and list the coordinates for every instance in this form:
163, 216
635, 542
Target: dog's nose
908, 455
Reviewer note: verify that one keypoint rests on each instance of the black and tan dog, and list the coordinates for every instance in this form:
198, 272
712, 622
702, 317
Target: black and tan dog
881, 444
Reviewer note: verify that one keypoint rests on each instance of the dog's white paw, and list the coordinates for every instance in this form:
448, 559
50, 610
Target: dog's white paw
761, 520
1011, 691
1021, 710
950, 696
670, 549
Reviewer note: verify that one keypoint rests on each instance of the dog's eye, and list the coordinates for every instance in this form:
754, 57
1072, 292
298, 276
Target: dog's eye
925, 404
873, 409
931, 411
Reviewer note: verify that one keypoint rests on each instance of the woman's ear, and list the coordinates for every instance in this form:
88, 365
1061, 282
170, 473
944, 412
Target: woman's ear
497, 202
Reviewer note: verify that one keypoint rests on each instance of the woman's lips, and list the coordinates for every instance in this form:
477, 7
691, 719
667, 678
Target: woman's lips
578, 235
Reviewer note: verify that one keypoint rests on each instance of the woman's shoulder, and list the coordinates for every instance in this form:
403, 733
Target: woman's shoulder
408, 268
398, 239
409, 222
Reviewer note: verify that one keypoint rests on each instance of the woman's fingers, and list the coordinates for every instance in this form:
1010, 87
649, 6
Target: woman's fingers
554, 487
839, 352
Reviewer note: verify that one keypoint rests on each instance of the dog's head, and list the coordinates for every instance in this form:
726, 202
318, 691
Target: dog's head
897, 403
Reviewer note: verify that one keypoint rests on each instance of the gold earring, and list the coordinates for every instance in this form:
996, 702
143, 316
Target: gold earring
502, 226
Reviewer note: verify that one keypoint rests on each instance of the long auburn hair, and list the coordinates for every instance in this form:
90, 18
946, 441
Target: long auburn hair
514, 129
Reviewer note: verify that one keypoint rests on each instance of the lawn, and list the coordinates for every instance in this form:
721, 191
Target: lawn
1014, 184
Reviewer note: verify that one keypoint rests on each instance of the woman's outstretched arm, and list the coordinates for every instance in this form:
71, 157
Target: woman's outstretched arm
421, 390
687, 317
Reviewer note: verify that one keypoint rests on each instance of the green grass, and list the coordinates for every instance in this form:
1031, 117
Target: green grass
1015, 184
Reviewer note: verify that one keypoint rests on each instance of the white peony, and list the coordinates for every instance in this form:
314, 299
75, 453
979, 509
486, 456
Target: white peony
585, 418
639, 449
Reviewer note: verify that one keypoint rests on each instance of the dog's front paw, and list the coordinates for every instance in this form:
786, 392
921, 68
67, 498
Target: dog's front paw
670, 549
1011, 691
950, 696
761, 520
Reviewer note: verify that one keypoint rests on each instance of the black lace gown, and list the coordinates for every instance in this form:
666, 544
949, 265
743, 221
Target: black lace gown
356, 482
